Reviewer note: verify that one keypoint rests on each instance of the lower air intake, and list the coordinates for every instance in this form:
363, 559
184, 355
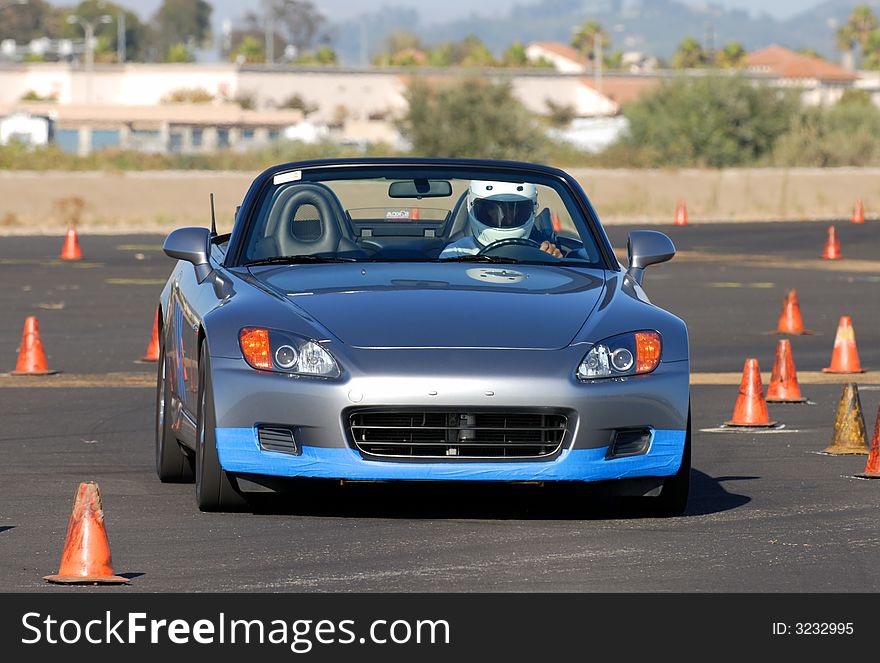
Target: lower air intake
276, 438
456, 435
633, 442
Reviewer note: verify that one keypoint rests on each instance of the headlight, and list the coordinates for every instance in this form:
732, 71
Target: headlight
627, 354
272, 350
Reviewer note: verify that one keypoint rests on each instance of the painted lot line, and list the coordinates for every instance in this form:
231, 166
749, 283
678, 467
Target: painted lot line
79, 380
772, 261
148, 380
803, 377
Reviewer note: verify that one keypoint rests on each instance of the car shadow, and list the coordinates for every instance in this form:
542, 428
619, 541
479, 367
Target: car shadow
6, 527
481, 501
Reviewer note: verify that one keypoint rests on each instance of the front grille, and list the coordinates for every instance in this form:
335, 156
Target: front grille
457, 435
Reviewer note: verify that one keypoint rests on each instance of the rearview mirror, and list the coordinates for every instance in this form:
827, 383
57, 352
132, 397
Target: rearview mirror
192, 245
644, 248
420, 188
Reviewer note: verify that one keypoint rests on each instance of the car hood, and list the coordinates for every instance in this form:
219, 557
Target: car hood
434, 305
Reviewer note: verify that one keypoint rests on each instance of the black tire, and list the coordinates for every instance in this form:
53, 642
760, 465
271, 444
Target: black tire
215, 489
173, 464
673, 497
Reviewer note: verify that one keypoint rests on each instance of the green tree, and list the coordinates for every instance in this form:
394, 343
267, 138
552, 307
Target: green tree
871, 51
401, 39
708, 121
845, 134
403, 48
515, 55
36, 18
297, 102
249, 50
178, 53
559, 115
182, 22
732, 56
469, 52
322, 55
689, 54
810, 52
472, 117
614, 60
302, 23
137, 35
474, 53
586, 38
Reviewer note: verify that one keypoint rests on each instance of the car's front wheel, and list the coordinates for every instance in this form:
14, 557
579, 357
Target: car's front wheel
173, 464
215, 489
673, 497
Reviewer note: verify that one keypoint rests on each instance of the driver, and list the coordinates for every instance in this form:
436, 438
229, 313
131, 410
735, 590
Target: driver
497, 211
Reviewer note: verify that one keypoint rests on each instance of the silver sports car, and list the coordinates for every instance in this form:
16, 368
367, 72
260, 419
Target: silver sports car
418, 320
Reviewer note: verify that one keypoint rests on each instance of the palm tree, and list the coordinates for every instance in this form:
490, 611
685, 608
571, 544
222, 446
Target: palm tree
584, 39
871, 51
731, 56
689, 55
858, 27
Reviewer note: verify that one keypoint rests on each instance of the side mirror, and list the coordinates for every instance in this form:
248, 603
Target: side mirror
192, 245
644, 248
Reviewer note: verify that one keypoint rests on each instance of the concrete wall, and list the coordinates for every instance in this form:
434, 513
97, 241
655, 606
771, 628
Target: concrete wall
34, 202
134, 85
737, 194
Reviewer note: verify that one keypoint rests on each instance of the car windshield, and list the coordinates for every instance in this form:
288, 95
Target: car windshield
417, 214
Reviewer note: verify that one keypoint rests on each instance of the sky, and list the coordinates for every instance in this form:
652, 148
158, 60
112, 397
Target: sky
445, 10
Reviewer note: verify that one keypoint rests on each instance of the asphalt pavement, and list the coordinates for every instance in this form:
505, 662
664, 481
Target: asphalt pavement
767, 513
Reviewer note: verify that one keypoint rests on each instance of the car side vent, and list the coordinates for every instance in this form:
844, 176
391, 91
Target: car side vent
276, 438
633, 442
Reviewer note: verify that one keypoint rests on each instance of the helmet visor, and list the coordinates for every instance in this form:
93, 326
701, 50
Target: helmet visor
501, 213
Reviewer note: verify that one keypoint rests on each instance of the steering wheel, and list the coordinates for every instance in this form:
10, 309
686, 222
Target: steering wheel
509, 241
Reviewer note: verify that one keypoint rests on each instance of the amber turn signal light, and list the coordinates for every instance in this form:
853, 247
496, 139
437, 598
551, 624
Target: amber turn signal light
255, 347
647, 351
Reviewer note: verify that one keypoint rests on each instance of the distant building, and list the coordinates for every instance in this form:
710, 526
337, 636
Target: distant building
564, 58
820, 81
637, 62
180, 128
622, 90
26, 128
584, 97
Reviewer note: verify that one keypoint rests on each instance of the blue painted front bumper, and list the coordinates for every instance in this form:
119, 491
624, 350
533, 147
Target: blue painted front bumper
239, 452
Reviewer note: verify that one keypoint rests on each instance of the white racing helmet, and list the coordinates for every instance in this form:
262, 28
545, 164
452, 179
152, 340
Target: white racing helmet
501, 210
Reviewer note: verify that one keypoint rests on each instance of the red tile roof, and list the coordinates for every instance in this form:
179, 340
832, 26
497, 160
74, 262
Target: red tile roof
789, 64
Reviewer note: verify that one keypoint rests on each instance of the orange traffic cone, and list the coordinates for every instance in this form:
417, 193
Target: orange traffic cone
784, 387
71, 250
31, 358
681, 214
554, 220
858, 215
845, 356
832, 246
751, 409
153, 348
872, 468
790, 320
86, 555
849, 425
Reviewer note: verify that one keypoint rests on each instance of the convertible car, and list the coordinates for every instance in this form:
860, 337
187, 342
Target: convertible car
418, 320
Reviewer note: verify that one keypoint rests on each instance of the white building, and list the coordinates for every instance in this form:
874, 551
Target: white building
563, 58
820, 82
26, 128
